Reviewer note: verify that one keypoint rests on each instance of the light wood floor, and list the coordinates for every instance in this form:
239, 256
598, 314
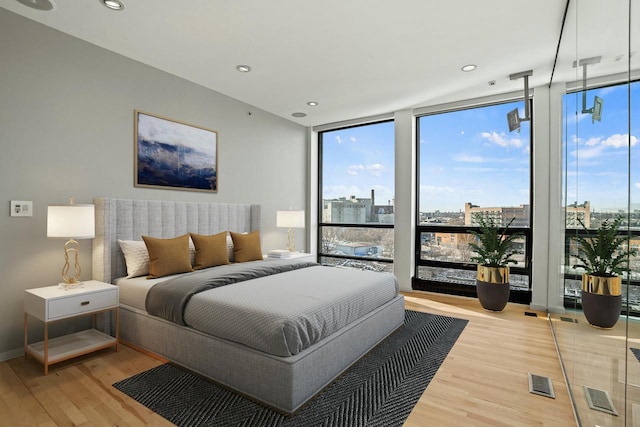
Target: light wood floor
601, 359
483, 381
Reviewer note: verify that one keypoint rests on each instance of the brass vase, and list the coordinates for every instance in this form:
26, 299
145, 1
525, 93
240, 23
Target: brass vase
492, 286
601, 300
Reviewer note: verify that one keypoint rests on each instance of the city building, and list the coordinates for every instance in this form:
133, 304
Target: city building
501, 214
578, 212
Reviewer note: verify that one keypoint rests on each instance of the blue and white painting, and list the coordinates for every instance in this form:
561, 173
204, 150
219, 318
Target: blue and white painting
175, 155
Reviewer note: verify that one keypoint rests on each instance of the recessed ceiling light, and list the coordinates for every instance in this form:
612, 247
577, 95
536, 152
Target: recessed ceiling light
243, 68
38, 4
299, 115
113, 4
468, 67
312, 103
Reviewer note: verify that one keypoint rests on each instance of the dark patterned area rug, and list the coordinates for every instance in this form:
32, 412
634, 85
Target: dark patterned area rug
636, 352
380, 389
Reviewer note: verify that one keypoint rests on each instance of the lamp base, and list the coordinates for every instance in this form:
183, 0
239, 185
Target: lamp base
66, 286
291, 240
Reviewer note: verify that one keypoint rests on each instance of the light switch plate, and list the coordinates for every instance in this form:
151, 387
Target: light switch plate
21, 208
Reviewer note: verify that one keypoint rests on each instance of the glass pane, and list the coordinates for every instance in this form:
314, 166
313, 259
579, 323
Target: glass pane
470, 162
358, 173
454, 247
358, 263
601, 149
357, 242
466, 277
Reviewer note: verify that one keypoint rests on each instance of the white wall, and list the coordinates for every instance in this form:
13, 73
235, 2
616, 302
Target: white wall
66, 129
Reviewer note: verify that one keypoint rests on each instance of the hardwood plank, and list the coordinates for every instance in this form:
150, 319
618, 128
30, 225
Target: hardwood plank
601, 359
483, 381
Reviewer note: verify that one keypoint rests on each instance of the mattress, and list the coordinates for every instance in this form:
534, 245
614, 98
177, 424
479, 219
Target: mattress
281, 314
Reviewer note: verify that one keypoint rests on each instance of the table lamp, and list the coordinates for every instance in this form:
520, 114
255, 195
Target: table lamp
290, 219
71, 222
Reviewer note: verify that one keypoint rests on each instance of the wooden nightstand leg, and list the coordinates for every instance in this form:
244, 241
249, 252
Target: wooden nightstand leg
117, 327
26, 334
46, 348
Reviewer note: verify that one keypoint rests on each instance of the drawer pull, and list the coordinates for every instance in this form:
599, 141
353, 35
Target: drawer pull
84, 303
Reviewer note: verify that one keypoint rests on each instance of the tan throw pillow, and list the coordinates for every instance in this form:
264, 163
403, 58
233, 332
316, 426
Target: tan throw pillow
246, 247
211, 250
168, 256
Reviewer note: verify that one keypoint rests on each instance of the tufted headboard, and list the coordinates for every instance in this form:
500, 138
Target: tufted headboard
130, 219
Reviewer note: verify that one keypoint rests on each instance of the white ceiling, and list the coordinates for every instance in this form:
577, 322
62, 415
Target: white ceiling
356, 58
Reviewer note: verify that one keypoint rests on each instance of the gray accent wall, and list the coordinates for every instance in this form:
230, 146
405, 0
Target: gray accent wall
66, 129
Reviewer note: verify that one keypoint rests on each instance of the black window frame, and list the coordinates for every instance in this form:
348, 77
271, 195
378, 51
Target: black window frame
322, 224
417, 283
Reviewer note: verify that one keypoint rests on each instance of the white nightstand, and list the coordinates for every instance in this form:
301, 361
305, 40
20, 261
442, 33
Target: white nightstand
51, 304
302, 256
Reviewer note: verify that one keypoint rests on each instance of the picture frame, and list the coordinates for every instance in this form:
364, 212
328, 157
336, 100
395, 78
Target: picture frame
170, 154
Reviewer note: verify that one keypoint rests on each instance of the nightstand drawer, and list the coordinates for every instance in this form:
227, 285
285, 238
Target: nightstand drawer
78, 304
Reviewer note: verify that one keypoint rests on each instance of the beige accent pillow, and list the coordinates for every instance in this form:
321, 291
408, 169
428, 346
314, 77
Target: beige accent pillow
168, 256
136, 257
211, 251
246, 247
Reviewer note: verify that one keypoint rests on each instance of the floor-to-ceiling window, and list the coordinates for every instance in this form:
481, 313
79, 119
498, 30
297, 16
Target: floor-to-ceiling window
468, 163
356, 206
600, 179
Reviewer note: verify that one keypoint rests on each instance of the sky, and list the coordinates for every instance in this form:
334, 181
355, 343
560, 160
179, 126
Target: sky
470, 156
598, 153
357, 160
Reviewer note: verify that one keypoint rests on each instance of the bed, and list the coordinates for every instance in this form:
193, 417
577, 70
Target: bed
281, 369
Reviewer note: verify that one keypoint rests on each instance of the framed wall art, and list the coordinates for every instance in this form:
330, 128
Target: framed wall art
174, 155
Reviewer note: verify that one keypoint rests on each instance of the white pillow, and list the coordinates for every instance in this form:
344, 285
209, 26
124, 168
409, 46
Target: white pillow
230, 255
136, 256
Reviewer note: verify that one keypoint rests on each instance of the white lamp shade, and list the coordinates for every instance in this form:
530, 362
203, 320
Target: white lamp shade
71, 221
290, 219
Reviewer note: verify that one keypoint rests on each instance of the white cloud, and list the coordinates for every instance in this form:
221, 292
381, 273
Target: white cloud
466, 158
376, 169
338, 139
353, 139
501, 140
461, 132
588, 153
354, 169
597, 145
593, 141
637, 185
618, 141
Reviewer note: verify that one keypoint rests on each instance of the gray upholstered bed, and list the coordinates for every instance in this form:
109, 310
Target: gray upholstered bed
284, 381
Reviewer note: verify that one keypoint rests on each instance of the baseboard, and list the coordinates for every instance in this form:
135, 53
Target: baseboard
11, 354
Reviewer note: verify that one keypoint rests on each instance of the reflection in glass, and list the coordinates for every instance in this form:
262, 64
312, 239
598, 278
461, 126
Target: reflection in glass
357, 242
466, 277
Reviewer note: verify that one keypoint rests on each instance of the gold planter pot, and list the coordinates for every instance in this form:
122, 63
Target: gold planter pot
602, 285
493, 274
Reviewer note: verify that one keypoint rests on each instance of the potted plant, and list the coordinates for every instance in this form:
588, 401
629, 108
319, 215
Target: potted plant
603, 259
494, 250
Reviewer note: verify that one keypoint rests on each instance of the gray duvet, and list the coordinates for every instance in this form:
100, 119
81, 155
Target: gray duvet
285, 313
